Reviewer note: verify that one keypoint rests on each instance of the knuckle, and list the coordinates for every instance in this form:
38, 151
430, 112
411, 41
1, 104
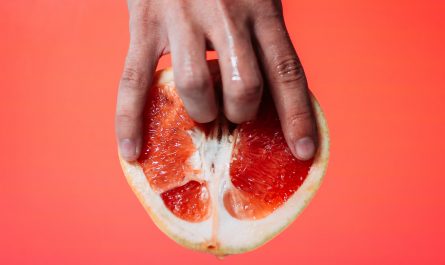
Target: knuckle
288, 69
148, 22
133, 79
142, 12
143, 21
299, 117
249, 91
193, 85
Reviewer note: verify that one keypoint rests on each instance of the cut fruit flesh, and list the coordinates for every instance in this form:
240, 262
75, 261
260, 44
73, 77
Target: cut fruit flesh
263, 171
217, 187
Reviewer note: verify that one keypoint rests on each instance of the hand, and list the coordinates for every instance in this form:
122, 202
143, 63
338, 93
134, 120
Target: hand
248, 35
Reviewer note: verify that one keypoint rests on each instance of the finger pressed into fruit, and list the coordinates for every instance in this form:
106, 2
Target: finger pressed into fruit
192, 76
242, 82
288, 86
139, 67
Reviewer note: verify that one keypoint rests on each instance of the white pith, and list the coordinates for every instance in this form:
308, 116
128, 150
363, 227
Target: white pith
221, 232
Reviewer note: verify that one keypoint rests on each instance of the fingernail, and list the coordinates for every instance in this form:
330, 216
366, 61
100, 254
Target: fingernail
128, 149
305, 148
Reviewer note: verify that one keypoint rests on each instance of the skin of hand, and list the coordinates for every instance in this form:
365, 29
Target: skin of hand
252, 43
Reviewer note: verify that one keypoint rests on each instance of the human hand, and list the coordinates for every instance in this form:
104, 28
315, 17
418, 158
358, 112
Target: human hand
250, 38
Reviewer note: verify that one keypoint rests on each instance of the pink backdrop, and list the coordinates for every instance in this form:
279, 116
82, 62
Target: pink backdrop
377, 68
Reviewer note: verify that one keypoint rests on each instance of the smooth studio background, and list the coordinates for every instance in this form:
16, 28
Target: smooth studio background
376, 66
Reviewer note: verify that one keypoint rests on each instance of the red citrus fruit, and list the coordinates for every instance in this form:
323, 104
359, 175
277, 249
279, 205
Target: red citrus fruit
219, 187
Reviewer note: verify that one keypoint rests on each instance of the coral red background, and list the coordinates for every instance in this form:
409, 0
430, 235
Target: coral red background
376, 66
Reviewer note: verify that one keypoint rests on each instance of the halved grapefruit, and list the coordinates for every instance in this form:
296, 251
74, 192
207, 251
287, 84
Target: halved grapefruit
220, 188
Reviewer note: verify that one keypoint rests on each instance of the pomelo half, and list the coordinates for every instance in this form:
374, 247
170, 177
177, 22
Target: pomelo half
219, 187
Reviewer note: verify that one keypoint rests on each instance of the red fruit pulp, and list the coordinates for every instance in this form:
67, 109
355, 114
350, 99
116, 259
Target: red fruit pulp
167, 146
166, 150
190, 202
263, 171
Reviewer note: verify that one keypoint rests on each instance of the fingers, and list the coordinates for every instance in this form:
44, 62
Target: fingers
288, 86
139, 67
241, 77
192, 76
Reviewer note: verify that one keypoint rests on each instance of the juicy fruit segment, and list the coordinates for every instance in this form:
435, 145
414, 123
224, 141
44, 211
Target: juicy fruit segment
189, 202
263, 170
167, 144
166, 150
